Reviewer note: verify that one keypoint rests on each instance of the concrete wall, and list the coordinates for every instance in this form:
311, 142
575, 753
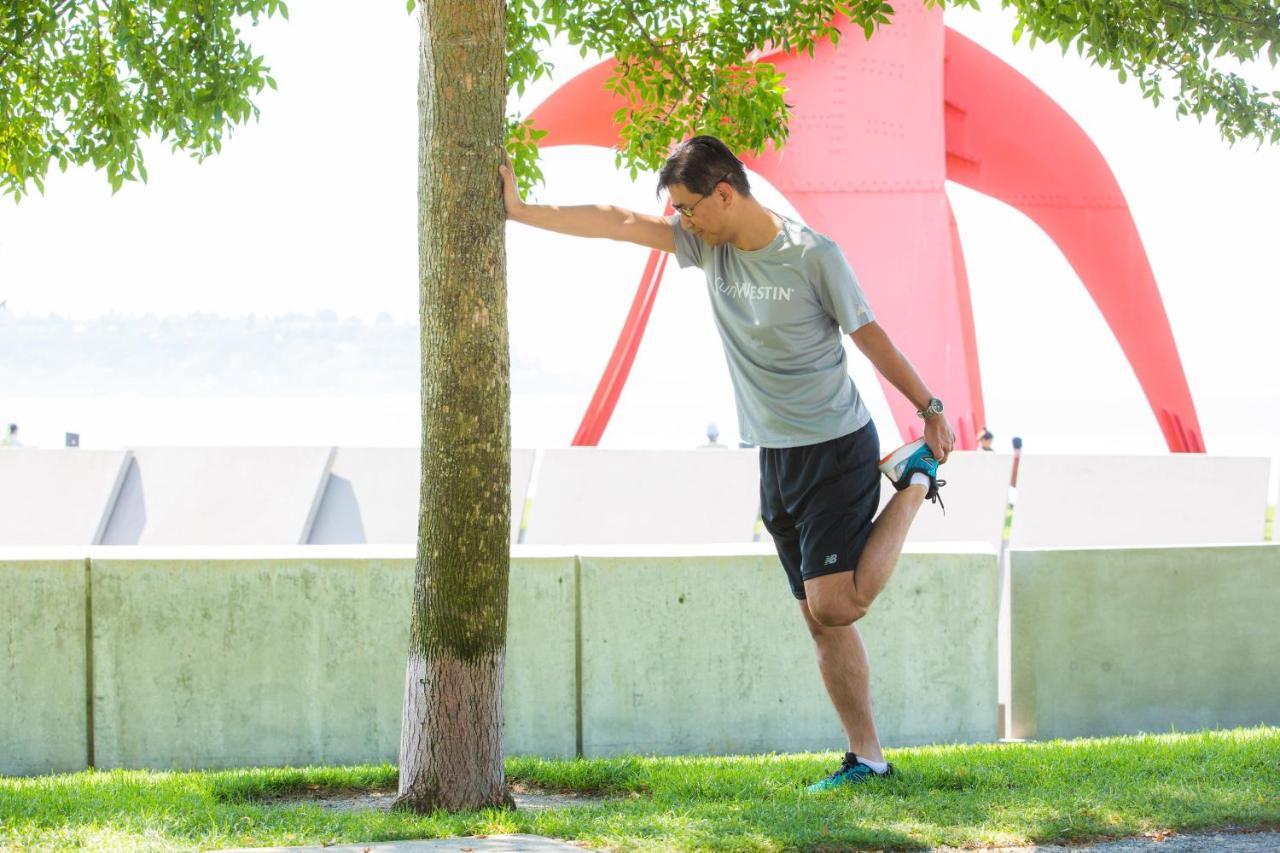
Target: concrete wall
371, 496
58, 497
590, 496
219, 496
43, 706
694, 651
1138, 501
220, 661
1110, 642
250, 656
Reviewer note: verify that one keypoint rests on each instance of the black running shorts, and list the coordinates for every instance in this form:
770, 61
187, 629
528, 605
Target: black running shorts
818, 502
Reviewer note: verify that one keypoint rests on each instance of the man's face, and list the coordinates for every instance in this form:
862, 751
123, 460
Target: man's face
705, 216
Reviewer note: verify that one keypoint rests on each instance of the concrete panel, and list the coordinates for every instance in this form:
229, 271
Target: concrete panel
692, 651
224, 661
976, 495
43, 705
1113, 642
371, 496
1138, 501
57, 497
218, 496
540, 682
587, 495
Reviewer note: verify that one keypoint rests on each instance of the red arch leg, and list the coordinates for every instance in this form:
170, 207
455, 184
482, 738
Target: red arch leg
580, 113
600, 410
966, 433
1044, 165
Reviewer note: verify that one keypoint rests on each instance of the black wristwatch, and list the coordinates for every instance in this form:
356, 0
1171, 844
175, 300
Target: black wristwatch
932, 410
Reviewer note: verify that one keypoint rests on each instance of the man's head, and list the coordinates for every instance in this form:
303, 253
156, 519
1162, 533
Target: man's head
708, 187
985, 438
13, 428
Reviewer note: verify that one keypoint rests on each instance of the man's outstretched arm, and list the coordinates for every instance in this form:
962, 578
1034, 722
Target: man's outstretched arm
588, 220
875, 344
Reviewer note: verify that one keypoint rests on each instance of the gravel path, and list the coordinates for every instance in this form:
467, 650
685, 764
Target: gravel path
1226, 840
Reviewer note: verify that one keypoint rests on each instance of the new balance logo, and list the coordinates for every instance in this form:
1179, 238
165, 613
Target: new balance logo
830, 560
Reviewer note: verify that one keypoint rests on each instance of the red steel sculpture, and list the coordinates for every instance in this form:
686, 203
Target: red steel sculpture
877, 128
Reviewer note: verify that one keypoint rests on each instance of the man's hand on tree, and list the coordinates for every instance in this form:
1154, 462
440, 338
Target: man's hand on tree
510, 195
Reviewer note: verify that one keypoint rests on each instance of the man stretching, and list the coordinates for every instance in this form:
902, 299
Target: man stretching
781, 293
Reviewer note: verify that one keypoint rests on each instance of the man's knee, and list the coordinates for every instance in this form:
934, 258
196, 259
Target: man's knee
835, 614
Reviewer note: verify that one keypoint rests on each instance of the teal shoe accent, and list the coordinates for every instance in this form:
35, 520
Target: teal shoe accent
914, 456
921, 460
851, 772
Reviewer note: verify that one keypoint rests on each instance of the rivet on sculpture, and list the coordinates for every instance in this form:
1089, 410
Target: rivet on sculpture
877, 128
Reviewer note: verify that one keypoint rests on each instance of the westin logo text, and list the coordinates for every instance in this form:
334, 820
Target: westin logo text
751, 291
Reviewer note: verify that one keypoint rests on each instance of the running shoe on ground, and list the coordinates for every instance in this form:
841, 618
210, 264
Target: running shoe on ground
851, 772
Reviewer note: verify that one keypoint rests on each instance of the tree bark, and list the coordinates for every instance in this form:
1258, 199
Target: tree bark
451, 737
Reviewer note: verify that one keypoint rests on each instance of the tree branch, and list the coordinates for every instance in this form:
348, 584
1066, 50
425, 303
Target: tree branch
12, 52
653, 45
1216, 15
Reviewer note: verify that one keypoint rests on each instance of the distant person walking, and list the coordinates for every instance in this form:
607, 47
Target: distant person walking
11, 437
781, 293
713, 433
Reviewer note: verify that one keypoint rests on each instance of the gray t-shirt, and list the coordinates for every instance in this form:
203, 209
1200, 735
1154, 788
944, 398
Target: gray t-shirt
781, 310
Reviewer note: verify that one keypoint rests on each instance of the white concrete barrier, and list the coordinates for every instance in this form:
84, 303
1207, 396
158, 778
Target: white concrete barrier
43, 705
1113, 642
226, 659
1137, 501
702, 651
57, 497
371, 496
976, 496
218, 496
593, 496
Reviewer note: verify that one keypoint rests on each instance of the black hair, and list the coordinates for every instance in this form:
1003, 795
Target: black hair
700, 163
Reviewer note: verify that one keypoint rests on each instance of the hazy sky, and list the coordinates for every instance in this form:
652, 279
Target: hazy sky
314, 208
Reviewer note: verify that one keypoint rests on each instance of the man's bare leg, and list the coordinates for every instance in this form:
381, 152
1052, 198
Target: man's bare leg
842, 599
842, 660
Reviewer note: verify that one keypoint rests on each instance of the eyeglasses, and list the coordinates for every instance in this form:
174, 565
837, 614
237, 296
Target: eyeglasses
687, 212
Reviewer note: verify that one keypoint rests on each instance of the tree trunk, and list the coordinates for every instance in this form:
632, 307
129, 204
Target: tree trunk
451, 737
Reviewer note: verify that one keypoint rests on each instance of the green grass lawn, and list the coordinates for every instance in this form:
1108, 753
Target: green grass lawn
959, 795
